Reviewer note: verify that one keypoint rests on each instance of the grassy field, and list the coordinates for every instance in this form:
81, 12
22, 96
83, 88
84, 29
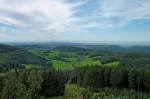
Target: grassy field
54, 54
69, 63
69, 60
60, 65
30, 66
89, 61
72, 60
116, 64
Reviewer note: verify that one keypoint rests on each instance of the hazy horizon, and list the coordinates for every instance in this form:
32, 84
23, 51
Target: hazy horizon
123, 43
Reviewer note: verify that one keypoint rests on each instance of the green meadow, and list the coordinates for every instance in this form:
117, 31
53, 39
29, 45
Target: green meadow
30, 66
60, 65
68, 60
86, 60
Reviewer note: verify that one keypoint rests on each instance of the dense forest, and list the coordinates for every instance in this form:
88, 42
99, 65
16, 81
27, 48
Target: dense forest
81, 83
72, 72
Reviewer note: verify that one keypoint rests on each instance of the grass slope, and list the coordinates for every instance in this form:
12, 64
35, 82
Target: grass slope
60, 65
88, 61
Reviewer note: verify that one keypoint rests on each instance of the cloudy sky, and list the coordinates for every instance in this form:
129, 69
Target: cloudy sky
74, 20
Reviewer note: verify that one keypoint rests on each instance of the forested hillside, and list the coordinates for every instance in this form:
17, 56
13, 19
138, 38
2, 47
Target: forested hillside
71, 56
13, 57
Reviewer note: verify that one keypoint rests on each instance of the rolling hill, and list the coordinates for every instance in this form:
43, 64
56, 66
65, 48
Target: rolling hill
13, 57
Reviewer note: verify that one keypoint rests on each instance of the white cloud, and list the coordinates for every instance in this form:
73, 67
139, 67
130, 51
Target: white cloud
36, 12
128, 10
47, 19
10, 21
113, 14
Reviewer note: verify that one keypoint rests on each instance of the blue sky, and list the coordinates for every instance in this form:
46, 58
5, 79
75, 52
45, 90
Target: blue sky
75, 20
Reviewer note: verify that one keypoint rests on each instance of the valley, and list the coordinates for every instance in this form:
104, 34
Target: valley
73, 72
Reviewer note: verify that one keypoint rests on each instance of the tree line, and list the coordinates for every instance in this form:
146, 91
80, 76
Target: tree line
47, 83
97, 77
31, 84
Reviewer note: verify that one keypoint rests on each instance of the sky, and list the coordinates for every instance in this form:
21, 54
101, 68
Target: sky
75, 20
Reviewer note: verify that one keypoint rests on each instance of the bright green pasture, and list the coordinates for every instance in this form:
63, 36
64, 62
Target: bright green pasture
30, 66
116, 64
53, 54
89, 61
60, 65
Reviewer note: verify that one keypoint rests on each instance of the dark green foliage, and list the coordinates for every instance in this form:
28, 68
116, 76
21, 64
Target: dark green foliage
1, 82
128, 60
116, 78
147, 79
53, 83
132, 79
78, 50
93, 78
106, 59
32, 84
78, 92
98, 77
13, 88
